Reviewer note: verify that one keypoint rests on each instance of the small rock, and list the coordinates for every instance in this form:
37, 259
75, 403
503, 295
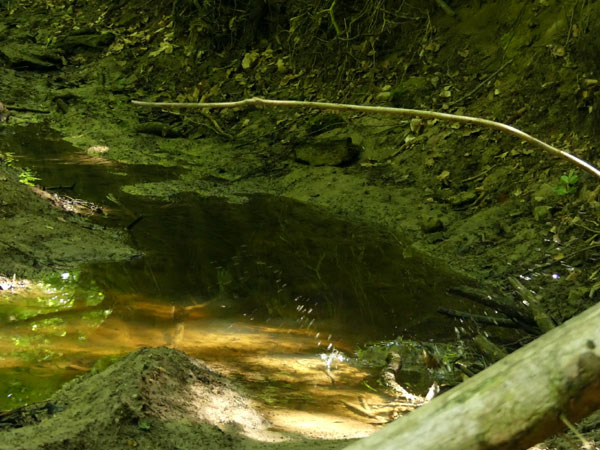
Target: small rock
158, 129
462, 198
338, 152
30, 57
93, 41
383, 96
411, 93
432, 224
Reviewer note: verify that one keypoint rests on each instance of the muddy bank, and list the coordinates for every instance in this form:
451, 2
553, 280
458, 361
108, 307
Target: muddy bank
37, 238
152, 398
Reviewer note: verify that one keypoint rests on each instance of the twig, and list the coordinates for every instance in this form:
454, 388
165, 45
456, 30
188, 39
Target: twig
483, 83
218, 128
570, 25
31, 110
442, 4
484, 299
474, 177
400, 150
484, 320
541, 317
338, 32
134, 223
585, 443
257, 101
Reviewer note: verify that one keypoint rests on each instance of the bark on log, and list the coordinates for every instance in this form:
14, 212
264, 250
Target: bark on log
513, 404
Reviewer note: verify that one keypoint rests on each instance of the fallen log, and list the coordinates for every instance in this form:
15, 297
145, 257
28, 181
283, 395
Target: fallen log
490, 350
517, 402
520, 316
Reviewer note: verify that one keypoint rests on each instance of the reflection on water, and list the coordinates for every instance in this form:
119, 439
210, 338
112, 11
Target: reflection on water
259, 290
280, 366
271, 258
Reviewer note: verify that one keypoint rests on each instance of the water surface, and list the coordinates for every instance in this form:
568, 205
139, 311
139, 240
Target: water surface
265, 290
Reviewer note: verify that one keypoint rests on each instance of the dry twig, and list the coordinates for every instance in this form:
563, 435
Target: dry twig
257, 101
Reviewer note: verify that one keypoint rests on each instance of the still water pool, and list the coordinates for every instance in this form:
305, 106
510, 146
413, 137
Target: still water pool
272, 292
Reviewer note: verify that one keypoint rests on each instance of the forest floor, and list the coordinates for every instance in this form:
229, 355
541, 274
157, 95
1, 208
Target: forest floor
484, 202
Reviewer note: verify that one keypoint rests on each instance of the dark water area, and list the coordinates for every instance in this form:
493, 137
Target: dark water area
266, 257
262, 258
70, 171
213, 270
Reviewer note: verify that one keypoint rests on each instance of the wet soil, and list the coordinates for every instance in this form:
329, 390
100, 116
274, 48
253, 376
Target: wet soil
36, 237
484, 203
153, 398
273, 293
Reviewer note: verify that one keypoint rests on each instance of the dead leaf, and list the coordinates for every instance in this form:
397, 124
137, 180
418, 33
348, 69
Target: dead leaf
444, 175
249, 59
165, 47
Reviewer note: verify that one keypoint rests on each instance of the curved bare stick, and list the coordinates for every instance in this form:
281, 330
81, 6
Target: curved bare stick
257, 101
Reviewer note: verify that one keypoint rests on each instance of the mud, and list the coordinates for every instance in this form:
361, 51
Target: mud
152, 398
38, 238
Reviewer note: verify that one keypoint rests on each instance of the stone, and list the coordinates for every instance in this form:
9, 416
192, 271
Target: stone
30, 57
75, 43
335, 152
462, 198
431, 224
411, 93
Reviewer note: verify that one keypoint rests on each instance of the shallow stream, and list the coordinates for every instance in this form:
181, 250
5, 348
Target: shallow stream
274, 293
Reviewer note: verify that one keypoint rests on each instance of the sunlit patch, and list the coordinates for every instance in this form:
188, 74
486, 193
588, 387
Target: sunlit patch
97, 149
222, 283
10, 285
282, 369
320, 425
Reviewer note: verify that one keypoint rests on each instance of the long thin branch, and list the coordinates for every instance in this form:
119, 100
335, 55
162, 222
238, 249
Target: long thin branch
478, 318
501, 304
257, 101
442, 4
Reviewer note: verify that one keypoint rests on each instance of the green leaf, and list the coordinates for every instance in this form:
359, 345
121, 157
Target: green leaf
561, 190
28, 178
